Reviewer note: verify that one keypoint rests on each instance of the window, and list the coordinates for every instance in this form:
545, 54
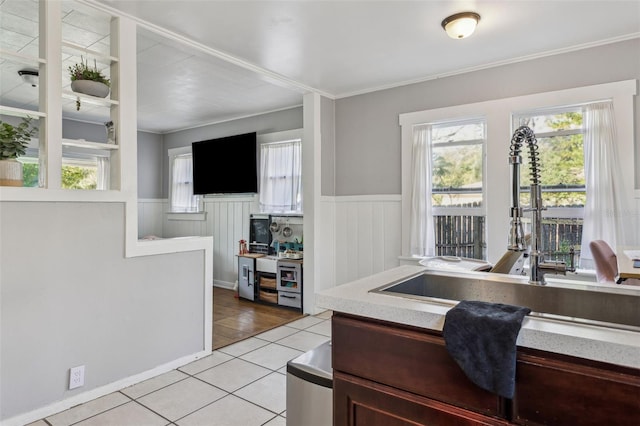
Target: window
453, 178
560, 136
181, 198
79, 170
281, 176
600, 117
561, 151
457, 150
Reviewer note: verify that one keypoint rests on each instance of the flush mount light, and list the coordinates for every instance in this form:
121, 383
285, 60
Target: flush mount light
461, 25
29, 77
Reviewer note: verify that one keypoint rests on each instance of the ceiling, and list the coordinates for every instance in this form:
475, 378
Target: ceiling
203, 62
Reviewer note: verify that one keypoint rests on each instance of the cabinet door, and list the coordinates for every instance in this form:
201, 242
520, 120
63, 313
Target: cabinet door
572, 392
359, 402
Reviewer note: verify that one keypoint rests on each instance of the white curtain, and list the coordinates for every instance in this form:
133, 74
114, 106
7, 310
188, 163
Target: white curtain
422, 242
102, 173
607, 213
182, 198
281, 177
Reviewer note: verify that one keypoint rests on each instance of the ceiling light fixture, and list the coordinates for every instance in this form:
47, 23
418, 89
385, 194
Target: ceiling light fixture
29, 77
461, 25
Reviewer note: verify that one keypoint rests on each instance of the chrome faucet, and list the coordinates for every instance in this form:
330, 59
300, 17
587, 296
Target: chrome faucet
538, 267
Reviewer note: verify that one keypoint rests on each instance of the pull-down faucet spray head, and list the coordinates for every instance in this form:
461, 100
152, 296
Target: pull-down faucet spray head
521, 135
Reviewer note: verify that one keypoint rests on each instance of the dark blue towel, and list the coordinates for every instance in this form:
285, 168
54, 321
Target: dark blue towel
481, 337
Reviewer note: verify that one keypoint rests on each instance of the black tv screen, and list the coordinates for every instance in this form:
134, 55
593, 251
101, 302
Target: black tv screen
225, 165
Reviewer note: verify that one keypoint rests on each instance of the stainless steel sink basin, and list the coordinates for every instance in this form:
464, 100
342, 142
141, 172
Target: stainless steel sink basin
569, 301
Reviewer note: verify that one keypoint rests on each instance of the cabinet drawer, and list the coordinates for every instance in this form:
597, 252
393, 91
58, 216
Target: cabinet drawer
406, 358
266, 282
268, 296
286, 298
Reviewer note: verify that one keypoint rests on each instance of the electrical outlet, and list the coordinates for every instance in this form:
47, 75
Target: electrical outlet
76, 377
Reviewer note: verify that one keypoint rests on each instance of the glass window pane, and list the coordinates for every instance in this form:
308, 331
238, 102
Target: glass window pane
457, 175
79, 176
553, 122
561, 160
447, 133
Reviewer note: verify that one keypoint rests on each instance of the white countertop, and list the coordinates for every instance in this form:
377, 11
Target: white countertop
616, 346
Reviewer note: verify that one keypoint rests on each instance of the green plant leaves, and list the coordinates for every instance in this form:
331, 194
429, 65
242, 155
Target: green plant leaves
15, 139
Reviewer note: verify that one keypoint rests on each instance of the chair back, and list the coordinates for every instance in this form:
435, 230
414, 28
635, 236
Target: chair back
605, 259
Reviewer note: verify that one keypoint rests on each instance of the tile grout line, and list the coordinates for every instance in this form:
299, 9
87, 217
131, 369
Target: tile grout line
227, 393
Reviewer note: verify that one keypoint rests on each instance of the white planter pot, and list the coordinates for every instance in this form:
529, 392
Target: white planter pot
90, 87
10, 173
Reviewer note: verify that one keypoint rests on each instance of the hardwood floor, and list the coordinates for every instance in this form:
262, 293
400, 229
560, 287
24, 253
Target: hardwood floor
235, 319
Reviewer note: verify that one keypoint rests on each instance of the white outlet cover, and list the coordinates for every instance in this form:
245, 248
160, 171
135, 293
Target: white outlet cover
76, 377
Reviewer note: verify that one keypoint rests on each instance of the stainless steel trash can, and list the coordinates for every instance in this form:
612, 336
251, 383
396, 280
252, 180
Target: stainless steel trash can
310, 388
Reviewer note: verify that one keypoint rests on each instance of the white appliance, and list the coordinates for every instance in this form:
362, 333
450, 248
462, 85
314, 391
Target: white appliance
310, 388
246, 278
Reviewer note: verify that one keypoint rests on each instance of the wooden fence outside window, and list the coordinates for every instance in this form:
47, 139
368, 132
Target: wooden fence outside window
464, 236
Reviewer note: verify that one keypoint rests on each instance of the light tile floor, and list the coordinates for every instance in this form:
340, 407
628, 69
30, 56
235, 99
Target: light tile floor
242, 384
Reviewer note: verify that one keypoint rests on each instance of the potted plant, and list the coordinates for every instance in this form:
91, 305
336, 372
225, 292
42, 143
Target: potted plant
13, 143
87, 80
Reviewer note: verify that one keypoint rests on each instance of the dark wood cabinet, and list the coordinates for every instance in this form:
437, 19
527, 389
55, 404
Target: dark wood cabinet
363, 402
553, 391
392, 374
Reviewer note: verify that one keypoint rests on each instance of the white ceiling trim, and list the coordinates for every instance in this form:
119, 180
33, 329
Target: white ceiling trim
208, 50
210, 123
491, 65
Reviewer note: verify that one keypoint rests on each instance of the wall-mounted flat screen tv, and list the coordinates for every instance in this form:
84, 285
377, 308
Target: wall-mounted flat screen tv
225, 165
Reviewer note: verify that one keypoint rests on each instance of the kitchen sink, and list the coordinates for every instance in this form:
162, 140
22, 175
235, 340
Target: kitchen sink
568, 300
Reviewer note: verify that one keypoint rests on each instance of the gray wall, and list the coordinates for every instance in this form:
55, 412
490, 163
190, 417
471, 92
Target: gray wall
72, 129
266, 123
69, 298
368, 133
150, 157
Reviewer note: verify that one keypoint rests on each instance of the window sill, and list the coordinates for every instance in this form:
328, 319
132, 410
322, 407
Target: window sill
186, 216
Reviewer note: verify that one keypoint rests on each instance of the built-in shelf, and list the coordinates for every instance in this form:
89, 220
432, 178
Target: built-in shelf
92, 100
81, 143
19, 112
88, 52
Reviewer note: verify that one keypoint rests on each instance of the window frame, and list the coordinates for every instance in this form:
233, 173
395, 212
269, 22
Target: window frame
73, 157
498, 113
172, 214
465, 211
279, 137
552, 211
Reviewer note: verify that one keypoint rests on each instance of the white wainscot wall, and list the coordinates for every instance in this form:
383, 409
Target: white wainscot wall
367, 233
226, 219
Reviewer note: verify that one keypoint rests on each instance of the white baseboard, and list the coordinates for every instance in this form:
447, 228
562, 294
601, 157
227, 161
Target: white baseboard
92, 394
225, 284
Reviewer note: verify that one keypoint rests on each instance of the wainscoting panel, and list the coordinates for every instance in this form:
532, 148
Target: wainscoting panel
366, 239
227, 220
367, 235
230, 223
